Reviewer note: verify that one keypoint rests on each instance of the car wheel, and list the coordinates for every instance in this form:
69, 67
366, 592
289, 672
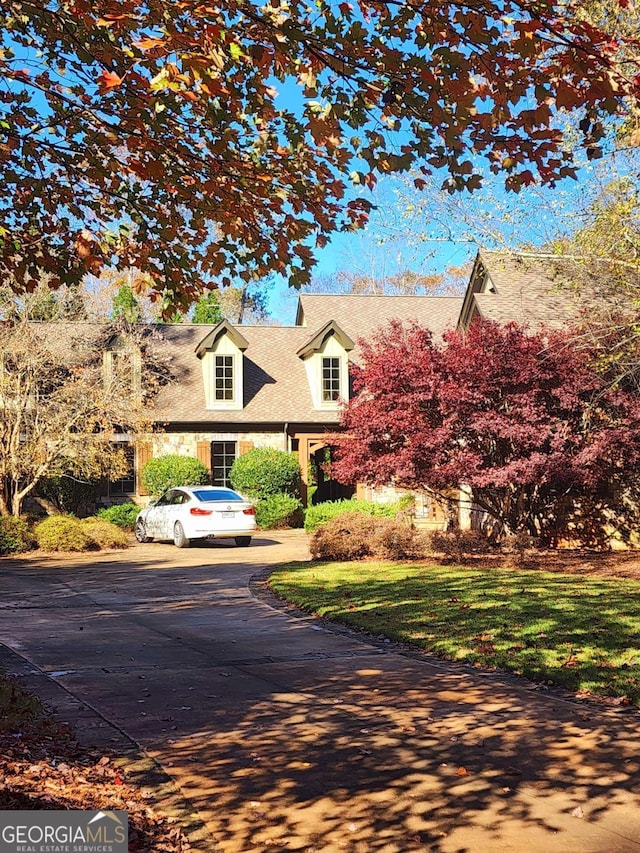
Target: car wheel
179, 538
141, 532
243, 541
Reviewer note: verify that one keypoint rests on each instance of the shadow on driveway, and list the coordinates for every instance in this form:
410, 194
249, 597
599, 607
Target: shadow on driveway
288, 736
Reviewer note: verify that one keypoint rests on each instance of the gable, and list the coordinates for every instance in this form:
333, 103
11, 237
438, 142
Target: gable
532, 290
221, 353
224, 329
318, 342
326, 360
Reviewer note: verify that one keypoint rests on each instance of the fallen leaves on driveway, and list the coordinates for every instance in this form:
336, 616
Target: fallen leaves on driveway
42, 767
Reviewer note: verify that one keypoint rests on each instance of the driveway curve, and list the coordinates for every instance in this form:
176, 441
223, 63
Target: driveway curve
288, 736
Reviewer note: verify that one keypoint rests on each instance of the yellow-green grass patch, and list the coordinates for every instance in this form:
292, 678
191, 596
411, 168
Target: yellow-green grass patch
580, 632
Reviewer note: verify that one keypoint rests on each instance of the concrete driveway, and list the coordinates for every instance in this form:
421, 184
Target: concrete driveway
286, 736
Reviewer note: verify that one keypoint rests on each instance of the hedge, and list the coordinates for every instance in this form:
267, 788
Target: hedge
322, 513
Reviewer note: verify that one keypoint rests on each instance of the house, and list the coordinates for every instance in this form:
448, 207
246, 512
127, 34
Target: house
239, 387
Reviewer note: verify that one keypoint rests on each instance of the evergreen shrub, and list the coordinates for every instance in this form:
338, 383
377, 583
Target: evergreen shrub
69, 495
62, 533
167, 472
122, 515
265, 471
278, 511
15, 535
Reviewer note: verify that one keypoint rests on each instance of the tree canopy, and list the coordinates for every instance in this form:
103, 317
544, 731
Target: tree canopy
545, 442
125, 305
207, 309
61, 402
200, 141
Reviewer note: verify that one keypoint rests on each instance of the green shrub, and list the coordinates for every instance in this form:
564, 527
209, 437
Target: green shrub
456, 544
104, 534
265, 471
355, 535
319, 514
15, 535
278, 511
62, 533
122, 515
167, 472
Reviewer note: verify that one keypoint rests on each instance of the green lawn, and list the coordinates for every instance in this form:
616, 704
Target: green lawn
576, 631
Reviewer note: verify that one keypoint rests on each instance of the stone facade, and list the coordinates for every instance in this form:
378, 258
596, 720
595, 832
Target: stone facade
200, 445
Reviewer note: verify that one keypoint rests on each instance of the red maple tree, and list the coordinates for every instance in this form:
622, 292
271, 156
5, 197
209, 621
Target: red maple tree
526, 420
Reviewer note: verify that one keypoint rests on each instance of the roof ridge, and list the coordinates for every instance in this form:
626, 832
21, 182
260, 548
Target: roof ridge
552, 256
385, 295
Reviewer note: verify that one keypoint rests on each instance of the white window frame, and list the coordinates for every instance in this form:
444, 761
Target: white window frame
220, 393
329, 391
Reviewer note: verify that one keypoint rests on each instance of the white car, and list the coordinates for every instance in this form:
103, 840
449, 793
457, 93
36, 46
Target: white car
197, 512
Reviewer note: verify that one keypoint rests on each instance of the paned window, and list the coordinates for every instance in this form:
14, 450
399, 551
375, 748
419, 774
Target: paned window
223, 455
330, 379
125, 485
224, 377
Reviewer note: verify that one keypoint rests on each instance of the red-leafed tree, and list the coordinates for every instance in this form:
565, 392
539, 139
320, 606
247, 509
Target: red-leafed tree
196, 140
543, 440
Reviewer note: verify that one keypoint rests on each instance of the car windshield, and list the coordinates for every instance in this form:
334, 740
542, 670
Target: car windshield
208, 495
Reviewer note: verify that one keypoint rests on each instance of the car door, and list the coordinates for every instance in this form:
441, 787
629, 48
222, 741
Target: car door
156, 520
175, 511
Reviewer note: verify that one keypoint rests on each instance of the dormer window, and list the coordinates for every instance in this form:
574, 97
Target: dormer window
224, 378
326, 360
330, 379
221, 353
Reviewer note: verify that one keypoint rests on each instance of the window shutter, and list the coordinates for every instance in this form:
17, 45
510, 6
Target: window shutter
144, 454
244, 447
203, 452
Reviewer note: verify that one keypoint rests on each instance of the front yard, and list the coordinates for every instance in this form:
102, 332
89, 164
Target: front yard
577, 626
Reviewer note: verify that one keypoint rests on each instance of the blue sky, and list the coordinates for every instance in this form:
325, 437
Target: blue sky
427, 232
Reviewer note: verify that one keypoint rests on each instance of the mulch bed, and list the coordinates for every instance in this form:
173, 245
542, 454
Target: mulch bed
606, 564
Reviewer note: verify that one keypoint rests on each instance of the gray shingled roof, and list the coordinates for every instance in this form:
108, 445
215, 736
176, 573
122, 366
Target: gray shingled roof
361, 316
275, 382
276, 388
531, 290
